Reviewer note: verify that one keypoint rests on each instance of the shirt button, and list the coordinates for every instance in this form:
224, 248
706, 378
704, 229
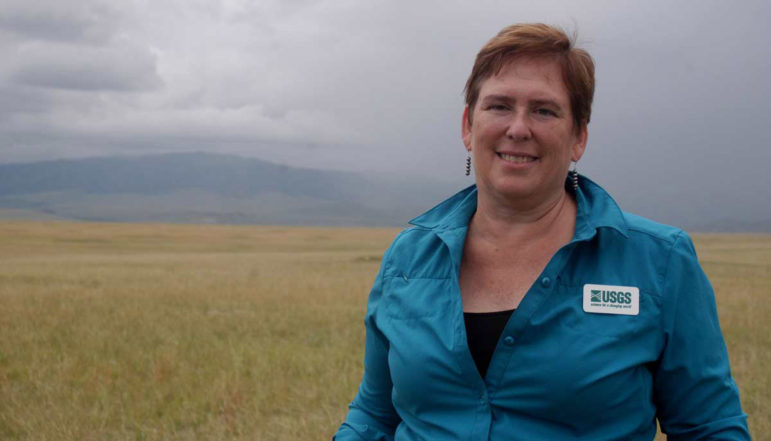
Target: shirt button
545, 282
509, 340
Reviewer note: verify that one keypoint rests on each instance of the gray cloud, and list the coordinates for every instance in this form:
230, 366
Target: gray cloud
681, 95
21, 100
83, 21
116, 68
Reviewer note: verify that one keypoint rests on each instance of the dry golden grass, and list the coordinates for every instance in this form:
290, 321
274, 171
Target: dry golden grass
154, 332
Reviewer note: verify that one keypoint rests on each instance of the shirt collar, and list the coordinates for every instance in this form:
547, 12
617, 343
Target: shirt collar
596, 209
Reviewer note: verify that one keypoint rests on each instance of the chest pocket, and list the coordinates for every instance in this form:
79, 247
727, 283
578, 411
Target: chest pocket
417, 298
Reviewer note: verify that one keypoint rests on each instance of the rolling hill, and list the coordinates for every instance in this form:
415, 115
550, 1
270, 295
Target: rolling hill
208, 188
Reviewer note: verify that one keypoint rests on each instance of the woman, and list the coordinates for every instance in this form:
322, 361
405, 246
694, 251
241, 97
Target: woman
530, 306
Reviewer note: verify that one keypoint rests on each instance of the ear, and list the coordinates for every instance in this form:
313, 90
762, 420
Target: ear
466, 129
580, 146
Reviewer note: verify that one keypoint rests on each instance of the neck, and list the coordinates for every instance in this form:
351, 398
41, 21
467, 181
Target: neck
524, 221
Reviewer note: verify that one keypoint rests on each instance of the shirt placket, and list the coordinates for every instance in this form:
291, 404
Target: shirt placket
454, 240
484, 388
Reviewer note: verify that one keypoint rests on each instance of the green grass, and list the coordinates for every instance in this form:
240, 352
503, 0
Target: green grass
154, 332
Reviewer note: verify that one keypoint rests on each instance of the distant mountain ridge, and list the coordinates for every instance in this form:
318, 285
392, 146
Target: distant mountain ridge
205, 187
215, 188
222, 174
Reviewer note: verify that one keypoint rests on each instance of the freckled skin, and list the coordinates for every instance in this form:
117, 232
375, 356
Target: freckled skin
524, 215
524, 108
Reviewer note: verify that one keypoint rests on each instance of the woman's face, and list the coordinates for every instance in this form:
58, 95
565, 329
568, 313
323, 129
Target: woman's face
522, 136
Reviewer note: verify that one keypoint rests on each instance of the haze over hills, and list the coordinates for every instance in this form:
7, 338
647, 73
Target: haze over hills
213, 188
207, 188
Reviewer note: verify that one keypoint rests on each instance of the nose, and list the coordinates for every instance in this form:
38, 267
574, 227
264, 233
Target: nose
519, 127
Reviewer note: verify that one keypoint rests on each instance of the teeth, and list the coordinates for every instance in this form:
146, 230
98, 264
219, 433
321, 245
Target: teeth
516, 159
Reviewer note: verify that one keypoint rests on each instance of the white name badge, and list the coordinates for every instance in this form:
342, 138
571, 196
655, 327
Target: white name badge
610, 299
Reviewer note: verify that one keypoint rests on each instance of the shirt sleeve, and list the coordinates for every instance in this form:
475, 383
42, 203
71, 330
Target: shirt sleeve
371, 415
696, 396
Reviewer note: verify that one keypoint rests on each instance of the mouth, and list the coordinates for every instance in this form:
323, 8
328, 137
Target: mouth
516, 158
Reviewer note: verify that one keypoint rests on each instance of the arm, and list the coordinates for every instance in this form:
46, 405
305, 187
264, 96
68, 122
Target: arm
371, 415
695, 394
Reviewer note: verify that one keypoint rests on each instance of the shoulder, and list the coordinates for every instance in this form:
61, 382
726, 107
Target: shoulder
422, 250
669, 248
637, 252
411, 239
597, 208
643, 230
418, 252
665, 243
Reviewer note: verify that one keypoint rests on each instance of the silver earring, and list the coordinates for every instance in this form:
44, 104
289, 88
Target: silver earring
574, 174
468, 164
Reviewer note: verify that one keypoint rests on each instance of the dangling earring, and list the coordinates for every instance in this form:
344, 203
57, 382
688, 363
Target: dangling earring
574, 172
468, 163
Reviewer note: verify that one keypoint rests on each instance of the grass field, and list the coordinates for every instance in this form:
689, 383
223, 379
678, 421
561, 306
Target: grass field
155, 332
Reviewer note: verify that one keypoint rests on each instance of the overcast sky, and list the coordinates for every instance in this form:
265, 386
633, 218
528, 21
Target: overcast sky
682, 108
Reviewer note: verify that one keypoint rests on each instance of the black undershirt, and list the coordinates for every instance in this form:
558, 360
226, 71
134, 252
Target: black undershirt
483, 329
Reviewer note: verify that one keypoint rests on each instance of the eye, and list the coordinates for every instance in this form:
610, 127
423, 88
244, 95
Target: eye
497, 107
544, 111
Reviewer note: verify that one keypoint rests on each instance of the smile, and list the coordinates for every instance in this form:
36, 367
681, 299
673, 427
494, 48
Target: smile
517, 159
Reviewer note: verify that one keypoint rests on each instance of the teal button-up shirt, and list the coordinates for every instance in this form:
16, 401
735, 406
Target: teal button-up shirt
561, 370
